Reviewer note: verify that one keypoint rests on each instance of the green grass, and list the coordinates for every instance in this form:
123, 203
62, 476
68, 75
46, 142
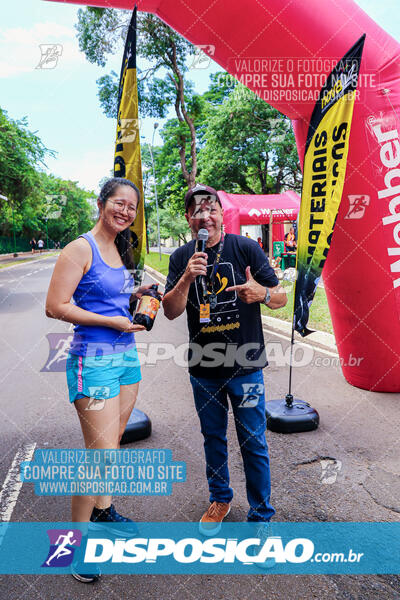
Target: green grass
320, 318
153, 260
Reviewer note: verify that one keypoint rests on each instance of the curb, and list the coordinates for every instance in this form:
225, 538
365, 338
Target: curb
24, 262
26, 252
319, 338
162, 278
7, 254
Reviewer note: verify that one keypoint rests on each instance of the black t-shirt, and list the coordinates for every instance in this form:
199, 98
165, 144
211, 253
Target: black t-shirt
232, 343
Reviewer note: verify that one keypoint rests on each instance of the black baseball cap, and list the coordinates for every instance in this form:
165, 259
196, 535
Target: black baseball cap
200, 189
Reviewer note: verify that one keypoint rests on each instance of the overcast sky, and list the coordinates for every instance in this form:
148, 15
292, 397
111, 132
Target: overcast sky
61, 104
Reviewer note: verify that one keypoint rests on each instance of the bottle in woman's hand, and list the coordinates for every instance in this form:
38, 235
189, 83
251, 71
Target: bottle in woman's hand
148, 306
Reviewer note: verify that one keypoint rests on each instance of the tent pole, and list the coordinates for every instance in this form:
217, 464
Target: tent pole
271, 218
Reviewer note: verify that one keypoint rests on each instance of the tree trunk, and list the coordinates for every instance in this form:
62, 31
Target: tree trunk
181, 113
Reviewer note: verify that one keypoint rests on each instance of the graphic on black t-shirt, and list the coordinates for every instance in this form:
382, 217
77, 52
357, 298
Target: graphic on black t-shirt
233, 323
225, 277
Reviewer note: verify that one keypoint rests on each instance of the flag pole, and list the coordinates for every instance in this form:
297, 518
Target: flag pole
128, 164
324, 172
289, 397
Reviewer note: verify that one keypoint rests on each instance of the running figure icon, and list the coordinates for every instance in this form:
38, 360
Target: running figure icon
62, 348
62, 549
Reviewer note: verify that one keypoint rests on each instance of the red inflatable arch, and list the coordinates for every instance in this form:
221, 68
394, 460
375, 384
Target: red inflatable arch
280, 51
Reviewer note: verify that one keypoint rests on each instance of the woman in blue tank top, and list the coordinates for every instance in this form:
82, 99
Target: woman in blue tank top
103, 370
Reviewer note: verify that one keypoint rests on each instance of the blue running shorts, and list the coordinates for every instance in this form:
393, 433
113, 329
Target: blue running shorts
100, 377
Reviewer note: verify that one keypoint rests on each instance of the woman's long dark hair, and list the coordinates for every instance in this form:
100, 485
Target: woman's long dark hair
123, 239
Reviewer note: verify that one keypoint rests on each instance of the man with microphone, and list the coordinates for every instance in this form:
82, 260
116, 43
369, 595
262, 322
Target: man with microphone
221, 280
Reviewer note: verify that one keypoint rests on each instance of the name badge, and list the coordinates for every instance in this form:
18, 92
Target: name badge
204, 313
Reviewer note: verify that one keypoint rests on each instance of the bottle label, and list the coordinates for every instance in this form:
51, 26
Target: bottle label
148, 306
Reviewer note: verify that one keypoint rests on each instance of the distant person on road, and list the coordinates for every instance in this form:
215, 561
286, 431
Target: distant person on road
32, 244
259, 241
40, 245
93, 269
222, 290
290, 241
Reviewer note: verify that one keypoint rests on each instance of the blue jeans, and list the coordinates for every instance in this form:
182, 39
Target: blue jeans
247, 397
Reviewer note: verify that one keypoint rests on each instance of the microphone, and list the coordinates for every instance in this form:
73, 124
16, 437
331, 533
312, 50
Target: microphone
202, 237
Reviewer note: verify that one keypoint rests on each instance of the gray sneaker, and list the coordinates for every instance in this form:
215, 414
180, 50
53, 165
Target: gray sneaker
85, 577
263, 531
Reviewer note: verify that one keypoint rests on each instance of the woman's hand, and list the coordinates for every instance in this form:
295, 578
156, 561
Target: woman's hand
139, 292
124, 324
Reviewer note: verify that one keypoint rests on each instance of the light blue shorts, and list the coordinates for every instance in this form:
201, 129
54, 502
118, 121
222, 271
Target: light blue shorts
100, 377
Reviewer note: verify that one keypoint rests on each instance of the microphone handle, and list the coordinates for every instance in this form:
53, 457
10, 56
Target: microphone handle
201, 247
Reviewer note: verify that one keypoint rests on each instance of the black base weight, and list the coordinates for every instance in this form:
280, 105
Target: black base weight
137, 428
291, 415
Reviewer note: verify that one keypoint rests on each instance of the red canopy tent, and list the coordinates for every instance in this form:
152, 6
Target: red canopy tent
261, 209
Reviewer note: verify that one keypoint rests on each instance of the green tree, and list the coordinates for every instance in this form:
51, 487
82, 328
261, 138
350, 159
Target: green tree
100, 32
249, 147
171, 225
36, 198
171, 184
243, 144
68, 209
22, 153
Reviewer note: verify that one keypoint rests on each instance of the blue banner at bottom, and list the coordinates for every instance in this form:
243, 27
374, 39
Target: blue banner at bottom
180, 548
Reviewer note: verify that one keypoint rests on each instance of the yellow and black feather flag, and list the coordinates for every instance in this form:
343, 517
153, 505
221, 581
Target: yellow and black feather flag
127, 161
324, 173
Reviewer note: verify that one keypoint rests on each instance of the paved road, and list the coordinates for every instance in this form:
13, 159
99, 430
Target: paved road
359, 431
